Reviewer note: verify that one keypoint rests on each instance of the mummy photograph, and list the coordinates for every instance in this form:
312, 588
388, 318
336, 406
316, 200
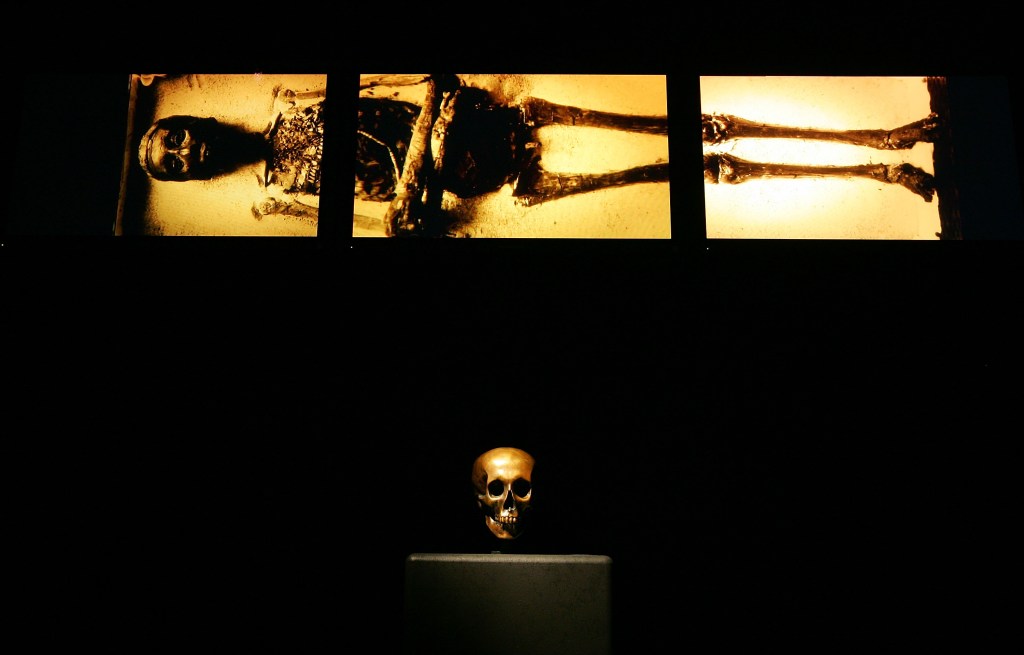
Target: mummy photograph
825, 158
223, 155
512, 156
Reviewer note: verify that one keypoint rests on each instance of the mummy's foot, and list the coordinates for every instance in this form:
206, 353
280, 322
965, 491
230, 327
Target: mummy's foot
925, 130
913, 178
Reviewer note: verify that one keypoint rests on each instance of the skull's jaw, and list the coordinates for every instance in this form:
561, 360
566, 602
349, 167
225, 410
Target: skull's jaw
510, 529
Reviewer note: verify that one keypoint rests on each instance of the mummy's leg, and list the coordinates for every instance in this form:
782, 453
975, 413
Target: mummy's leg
536, 185
718, 128
726, 169
538, 113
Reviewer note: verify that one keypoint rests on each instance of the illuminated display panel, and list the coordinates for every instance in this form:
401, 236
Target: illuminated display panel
521, 156
820, 182
250, 166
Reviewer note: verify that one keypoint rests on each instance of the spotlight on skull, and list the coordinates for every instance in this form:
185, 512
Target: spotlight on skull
502, 479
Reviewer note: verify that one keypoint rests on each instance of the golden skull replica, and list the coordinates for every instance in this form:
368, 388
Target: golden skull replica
501, 478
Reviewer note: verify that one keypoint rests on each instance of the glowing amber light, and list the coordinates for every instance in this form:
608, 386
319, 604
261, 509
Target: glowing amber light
843, 206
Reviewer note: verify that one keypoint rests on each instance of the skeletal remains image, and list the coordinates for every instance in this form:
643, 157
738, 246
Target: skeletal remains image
819, 157
224, 155
464, 142
439, 157
726, 169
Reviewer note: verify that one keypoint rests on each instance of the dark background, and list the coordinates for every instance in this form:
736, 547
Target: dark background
234, 443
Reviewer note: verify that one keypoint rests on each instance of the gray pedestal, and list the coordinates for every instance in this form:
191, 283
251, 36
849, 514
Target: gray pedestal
497, 604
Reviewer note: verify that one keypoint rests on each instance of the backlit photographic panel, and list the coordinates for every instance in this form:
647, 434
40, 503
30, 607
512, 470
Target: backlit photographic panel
223, 155
823, 158
512, 156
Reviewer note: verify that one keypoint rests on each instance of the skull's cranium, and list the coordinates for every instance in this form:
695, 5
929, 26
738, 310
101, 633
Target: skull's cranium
502, 480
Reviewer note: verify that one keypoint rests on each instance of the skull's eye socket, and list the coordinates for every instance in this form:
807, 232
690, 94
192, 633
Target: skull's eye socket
496, 488
173, 164
176, 138
521, 487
